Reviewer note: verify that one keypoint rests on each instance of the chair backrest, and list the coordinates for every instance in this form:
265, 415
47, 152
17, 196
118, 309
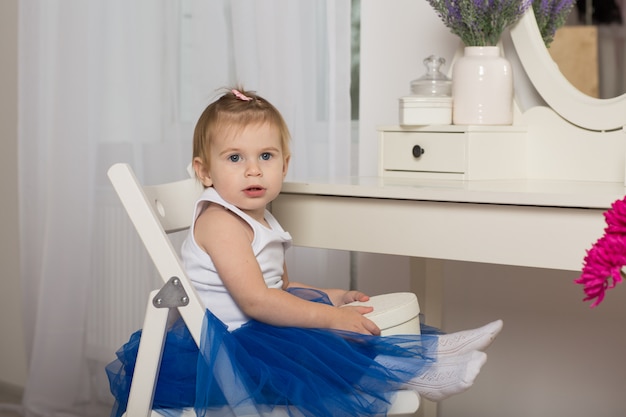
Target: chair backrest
155, 211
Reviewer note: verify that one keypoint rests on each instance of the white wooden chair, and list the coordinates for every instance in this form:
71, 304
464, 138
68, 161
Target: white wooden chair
156, 211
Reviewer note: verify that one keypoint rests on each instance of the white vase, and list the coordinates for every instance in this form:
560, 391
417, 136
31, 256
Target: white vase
482, 88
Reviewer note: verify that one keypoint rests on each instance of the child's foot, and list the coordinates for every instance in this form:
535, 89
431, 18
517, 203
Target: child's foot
468, 340
449, 376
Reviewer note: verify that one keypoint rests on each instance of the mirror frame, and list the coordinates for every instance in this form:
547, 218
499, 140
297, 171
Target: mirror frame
565, 99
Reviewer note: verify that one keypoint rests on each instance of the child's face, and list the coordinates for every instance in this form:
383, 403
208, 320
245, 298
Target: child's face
247, 167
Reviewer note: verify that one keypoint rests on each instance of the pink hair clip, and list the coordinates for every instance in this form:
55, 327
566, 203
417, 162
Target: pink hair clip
240, 95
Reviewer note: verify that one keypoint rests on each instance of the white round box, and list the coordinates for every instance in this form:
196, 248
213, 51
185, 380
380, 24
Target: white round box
394, 313
423, 110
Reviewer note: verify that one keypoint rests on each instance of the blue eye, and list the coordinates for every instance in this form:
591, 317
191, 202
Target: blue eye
266, 156
234, 158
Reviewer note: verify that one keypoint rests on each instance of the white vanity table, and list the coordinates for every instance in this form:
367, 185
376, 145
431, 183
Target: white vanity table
544, 224
530, 195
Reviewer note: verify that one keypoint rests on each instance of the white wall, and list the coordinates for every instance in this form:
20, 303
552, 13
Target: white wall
555, 356
12, 356
396, 36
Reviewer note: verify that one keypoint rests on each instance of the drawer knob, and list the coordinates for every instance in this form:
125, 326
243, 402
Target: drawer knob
418, 151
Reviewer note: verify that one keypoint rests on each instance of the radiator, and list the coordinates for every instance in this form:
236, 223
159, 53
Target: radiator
122, 277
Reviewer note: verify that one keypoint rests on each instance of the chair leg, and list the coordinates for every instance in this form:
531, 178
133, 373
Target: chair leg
148, 360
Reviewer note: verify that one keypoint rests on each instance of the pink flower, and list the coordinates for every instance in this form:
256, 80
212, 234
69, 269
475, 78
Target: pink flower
616, 218
602, 267
604, 261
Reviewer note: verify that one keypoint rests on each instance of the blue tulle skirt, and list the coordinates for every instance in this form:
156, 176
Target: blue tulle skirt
252, 370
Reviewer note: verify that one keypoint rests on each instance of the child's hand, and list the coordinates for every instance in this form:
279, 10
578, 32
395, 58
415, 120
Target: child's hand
351, 296
346, 297
351, 318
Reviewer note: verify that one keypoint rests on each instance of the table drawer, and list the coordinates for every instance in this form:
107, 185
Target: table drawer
423, 152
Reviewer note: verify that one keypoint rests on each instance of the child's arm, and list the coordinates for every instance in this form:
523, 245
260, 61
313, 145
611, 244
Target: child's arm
226, 238
337, 296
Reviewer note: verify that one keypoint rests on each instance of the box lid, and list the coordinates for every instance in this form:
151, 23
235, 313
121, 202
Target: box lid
425, 101
391, 309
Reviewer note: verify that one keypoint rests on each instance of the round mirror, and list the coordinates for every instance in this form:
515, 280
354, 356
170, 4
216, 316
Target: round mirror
571, 104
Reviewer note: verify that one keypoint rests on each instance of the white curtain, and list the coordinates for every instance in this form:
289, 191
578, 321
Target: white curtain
106, 81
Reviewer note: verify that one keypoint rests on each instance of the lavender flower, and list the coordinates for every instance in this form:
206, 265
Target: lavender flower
479, 22
551, 15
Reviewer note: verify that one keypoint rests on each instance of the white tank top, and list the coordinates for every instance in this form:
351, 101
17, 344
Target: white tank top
268, 245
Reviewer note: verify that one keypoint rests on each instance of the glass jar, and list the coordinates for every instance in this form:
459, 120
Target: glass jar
434, 83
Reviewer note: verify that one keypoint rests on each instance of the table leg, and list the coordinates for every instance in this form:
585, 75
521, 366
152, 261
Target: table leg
427, 284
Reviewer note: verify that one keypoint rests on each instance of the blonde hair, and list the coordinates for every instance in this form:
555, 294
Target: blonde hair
235, 110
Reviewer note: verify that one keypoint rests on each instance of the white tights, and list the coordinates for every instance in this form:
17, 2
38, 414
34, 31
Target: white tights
459, 358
